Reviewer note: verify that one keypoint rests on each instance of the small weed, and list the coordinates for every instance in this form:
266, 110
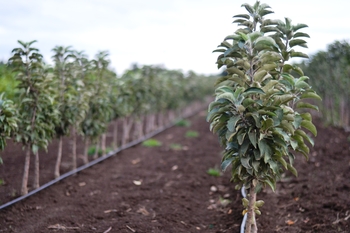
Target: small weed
183, 123
224, 202
151, 143
191, 134
214, 172
175, 146
2, 182
92, 150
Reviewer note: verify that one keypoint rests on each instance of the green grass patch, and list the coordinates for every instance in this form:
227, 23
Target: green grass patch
151, 143
183, 123
175, 146
214, 172
191, 134
92, 149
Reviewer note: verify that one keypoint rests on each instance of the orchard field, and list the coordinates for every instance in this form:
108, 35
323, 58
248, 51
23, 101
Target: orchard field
176, 194
283, 134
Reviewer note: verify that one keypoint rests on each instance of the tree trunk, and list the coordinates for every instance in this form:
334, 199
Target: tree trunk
251, 226
150, 125
103, 143
24, 188
74, 147
127, 123
86, 149
59, 158
342, 106
160, 119
115, 135
97, 148
138, 128
36, 171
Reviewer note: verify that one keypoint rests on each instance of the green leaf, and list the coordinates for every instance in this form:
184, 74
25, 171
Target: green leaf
264, 42
269, 85
225, 44
282, 161
227, 96
306, 116
301, 34
274, 166
269, 29
231, 124
268, 123
219, 50
310, 126
271, 184
306, 105
297, 42
298, 54
234, 70
256, 165
247, 102
240, 137
292, 169
248, 7
254, 35
258, 76
245, 162
242, 16
297, 121
253, 90
287, 126
310, 95
227, 162
265, 150
253, 137
299, 26
304, 135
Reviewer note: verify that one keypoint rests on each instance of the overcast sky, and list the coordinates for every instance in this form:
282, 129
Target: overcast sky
180, 34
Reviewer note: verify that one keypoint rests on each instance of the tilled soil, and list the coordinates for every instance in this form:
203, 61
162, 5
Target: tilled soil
167, 189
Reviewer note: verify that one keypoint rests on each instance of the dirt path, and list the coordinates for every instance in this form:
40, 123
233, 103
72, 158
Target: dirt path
166, 190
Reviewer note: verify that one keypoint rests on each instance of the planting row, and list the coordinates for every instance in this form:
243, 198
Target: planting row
78, 96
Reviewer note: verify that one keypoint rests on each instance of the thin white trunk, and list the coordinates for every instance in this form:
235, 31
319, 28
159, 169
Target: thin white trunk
86, 149
97, 148
59, 158
24, 188
127, 123
36, 183
103, 143
138, 128
115, 135
74, 146
251, 226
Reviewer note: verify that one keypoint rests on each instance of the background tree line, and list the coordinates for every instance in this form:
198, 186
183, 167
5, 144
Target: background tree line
78, 96
330, 77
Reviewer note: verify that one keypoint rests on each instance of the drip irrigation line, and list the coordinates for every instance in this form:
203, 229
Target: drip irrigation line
244, 194
98, 160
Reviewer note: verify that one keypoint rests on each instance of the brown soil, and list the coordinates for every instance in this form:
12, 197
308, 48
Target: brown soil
160, 189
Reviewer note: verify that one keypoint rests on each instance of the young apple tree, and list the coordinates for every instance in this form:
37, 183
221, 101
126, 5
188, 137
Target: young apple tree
258, 110
37, 111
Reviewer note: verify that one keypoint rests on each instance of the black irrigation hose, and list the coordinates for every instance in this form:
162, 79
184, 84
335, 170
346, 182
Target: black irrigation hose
100, 159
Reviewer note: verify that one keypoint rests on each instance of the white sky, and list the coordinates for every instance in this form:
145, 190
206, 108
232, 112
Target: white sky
180, 34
